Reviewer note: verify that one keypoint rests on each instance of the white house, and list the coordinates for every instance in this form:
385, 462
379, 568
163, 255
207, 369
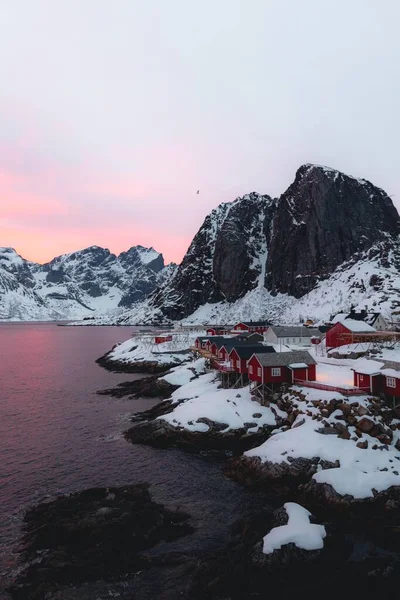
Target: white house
375, 319
288, 335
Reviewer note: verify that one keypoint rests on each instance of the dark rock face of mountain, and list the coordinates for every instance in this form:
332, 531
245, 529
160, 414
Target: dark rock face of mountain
224, 260
241, 247
323, 220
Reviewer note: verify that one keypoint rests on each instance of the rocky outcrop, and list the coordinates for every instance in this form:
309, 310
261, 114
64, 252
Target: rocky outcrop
355, 560
146, 387
161, 434
92, 535
252, 472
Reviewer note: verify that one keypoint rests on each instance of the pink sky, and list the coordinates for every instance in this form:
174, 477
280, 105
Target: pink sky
112, 115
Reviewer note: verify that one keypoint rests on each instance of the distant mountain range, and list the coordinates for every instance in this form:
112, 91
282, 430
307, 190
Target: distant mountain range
329, 242
84, 283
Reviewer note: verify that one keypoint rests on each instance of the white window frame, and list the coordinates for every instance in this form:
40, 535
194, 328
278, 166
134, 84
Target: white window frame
276, 371
251, 369
238, 364
259, 371
391, 382
361, 377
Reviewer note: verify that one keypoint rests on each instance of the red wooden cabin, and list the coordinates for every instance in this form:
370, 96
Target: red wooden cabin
239, 355
160, 339
368, 376
343, 332
282, 367
216, 330
378, 377
390, 383
251, 326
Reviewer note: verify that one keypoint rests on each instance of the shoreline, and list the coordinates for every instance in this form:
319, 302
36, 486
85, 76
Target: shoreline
241, 567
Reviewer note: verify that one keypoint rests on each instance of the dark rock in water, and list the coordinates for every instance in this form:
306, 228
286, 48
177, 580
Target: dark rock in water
252, 472
91, 535
148, 387
346, 565
160, 409
284, 557
161, 434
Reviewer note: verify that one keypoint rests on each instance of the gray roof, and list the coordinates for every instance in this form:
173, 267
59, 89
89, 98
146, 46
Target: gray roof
247, 350
284, 359
300, 331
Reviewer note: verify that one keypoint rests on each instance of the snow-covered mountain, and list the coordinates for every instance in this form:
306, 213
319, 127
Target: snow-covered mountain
88, 282
328, 242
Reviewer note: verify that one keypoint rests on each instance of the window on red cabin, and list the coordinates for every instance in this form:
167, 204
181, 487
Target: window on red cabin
361, 377
238, 363
259, 371
276, 372
391, 382
250, 369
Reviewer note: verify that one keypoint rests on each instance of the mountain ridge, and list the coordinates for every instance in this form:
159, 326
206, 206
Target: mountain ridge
257, 253
76, 284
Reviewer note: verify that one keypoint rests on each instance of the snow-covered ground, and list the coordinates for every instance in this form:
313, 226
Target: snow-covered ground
181, 375
232, 407
368, 465
356, 483
141, 348
340, 376
352, 348
298, 531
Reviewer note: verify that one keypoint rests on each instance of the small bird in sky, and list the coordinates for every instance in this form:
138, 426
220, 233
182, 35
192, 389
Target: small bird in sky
198, 191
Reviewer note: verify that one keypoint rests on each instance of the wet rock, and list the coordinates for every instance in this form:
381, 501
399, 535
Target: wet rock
251, 471
147, 387
91, 535
161, 434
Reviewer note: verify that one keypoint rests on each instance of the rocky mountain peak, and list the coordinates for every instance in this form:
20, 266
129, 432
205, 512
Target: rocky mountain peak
323, 219
287, 245
140, 255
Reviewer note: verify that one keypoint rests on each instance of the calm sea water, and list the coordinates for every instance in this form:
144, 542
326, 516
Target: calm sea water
57, 436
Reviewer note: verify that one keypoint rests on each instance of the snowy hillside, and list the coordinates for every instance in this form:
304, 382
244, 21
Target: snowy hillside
89, 282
